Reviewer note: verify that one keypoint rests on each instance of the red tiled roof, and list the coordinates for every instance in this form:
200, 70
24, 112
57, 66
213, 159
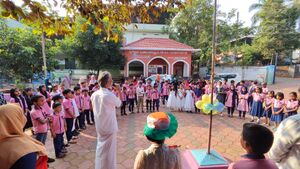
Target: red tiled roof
157, 44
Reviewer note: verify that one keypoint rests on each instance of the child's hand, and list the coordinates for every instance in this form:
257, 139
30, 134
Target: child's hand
53, 135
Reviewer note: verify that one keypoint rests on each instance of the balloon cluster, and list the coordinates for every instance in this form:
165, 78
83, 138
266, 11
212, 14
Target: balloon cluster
205, 105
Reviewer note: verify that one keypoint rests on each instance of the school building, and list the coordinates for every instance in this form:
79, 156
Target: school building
150, 55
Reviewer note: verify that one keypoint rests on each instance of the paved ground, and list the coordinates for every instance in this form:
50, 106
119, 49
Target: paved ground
192, 134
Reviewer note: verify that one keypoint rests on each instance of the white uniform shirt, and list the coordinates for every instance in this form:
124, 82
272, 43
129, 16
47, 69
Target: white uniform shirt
140, 91
104, 104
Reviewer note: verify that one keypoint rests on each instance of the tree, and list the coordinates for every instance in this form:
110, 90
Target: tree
93, 51
276, 32
104, 15
20, 53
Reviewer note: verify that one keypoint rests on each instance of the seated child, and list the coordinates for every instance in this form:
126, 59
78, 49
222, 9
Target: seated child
256, 140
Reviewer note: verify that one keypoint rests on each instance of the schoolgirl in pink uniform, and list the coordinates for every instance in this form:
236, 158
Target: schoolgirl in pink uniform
231, 100
155, 98
277, 109
16, 97
124, 101
265, 89
269, 101
292, 105
243, 102
149, 98
131, 97
86, 106
257, 105
48, 99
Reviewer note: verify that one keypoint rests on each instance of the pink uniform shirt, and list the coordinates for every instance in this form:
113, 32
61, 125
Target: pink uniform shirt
46, 106
279, 103
265, 90
269, 101
292, 104
243, 103
258, 97
123, 96
79, 101
246, 163
86, 102
23, 106
58, 123
35, 114
67, 103
165, 89
155, 94
131, 93
149, 94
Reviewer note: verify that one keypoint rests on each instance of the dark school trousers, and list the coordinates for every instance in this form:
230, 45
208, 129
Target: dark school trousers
69, 132
58, 143
155, 104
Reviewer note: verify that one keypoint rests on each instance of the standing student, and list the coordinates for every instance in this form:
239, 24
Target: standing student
59, 99
16, 97
140, 91
198, 93
131, 98
124, 101
252, 89
149, 98
155, 97
86, 107
40, 120
172, 100
42, 91
257, 109
265, 89
240, 86
292, 105
231, 100
180, 98
57, 130
69, 114
55, 91
27, 94
79, 122
243, 102
277, 109
189, 100
165, 92
269, 101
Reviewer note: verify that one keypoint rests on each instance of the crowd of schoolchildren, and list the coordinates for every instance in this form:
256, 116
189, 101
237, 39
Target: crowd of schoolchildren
61, 110
243, 97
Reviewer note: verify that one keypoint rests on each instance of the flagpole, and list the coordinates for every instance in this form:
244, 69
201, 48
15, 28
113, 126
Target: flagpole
212, 72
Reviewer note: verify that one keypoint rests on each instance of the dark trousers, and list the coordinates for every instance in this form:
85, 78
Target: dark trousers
81, 120
58, 142
131, 105
88, 116
69, 132
230, 110
196, 109
77, 123
149, 105
123, 107
41, 137
242, 112
165, 98
136, 100
155, 104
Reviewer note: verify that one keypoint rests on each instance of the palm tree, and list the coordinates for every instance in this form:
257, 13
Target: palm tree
256, 6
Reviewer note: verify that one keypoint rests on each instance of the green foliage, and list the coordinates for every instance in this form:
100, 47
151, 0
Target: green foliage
277, 27
250, 55
93, 51
21, 53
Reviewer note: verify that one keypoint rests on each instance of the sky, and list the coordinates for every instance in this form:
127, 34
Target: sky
225, 6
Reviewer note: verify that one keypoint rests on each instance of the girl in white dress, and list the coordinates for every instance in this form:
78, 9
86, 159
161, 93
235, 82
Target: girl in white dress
172, 100
189, 101
180, 98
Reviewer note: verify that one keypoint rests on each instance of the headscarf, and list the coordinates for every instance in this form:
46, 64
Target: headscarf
14, 143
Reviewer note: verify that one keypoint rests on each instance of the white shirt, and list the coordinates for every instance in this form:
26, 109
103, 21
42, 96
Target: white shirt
140, 91
104, 104
285, 150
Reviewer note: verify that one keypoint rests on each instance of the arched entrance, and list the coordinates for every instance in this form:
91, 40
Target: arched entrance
181, 68
135, 68
158, 65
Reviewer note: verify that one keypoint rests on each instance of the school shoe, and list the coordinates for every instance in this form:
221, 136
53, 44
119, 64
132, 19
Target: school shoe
67, 145
125, 114
64, 150
50, 160
72, 142
61, 155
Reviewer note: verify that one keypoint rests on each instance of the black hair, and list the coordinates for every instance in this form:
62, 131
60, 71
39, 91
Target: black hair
156, 141
272, 92
85, 90
26, 90
12, 93
255, 82
232, 81
258, 137
66, 91
294, 94
56, 104
56, 98
243, 81
76, 88
96, 83
83, 82
280, 94
244, 92
44, 93
35, 98
260, 89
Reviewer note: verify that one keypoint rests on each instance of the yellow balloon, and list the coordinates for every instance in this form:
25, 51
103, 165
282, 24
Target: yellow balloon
216, 101
199, 104
206, 98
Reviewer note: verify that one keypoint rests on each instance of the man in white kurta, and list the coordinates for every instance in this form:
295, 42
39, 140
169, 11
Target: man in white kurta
104, 104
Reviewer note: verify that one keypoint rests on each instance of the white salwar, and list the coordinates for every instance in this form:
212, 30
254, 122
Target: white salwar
104, 104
